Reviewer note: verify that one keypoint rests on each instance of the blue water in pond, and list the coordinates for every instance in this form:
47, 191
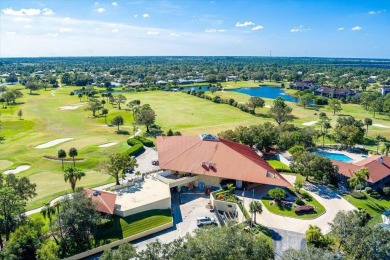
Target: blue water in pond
204, 88
335, 156
266, 92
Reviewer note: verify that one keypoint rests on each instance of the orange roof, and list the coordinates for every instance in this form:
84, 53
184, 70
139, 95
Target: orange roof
376, 169
104, 200
218, 158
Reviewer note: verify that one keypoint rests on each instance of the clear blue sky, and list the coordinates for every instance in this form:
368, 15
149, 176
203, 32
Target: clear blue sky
342, 28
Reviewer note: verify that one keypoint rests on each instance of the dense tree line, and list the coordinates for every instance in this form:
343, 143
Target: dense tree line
78, 70
266, 136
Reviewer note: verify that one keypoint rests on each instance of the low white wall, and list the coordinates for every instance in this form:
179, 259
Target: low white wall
227, 206
284, 160
159, 204
120, 242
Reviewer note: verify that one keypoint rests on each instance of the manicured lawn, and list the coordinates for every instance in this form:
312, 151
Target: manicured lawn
278, 165
123, 227
373, 206
289, 212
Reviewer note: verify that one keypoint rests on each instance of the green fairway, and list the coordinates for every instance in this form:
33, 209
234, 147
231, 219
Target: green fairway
44, 119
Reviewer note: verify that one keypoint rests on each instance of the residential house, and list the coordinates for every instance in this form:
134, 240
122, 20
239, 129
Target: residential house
332, 92
231, 78
384, 90
302, 85
378, 168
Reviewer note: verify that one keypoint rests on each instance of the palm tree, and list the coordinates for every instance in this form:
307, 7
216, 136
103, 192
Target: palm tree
387, 148
313, 235
73, 153
361, 176
62, 155
378, 140
255, 207
72, 174
367, 122
48, 211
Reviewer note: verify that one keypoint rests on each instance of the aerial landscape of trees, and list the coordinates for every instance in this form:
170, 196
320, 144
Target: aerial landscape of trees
128, 93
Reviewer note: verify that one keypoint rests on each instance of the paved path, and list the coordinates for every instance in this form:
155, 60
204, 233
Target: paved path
284, 240
332, 202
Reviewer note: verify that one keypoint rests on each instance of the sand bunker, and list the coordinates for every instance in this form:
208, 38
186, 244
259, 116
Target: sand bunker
267, 106
380, 125
53, 94
70, 107
18, 169
53, 143
5, 164
107, 144
310, 123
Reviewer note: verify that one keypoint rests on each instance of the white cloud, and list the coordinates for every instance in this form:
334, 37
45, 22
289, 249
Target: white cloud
356, 28
340, 29
174, 35
115, 30
52, 34
66, 30
245, 24
21, 12
47, 11
11, 33
114, 3
256, 28
300, 28
100, 10
136, 15
377, 12
145, 15
28, 26
152, 33
96, 3
22, 19
214, 30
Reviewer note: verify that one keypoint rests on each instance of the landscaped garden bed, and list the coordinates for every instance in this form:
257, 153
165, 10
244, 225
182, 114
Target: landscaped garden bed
301, 206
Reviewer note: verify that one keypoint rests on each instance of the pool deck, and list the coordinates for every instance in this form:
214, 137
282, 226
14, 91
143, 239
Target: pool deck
354, 156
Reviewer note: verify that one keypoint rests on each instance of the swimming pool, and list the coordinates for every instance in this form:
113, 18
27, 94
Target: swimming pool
335, 156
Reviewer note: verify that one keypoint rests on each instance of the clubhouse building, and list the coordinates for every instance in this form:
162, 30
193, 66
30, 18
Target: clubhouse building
206, 161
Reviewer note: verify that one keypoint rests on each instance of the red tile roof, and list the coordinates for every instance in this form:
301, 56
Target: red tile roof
376, 169
221, 158
104, 200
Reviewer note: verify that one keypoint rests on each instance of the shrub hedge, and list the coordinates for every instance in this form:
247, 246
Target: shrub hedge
137, 147
304, 209
145, 141
136, 150
358, 195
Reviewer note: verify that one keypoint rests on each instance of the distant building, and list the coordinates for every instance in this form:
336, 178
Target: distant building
384, 90
332, 92
302, 85
231, 78
378, 167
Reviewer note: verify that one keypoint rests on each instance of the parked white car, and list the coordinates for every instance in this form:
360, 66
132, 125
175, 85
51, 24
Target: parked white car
205, 221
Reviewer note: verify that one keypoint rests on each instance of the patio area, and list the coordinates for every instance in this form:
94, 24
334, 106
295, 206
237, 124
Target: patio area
147, 195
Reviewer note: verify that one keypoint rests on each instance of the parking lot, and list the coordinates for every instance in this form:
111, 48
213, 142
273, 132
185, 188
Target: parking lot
186, 207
